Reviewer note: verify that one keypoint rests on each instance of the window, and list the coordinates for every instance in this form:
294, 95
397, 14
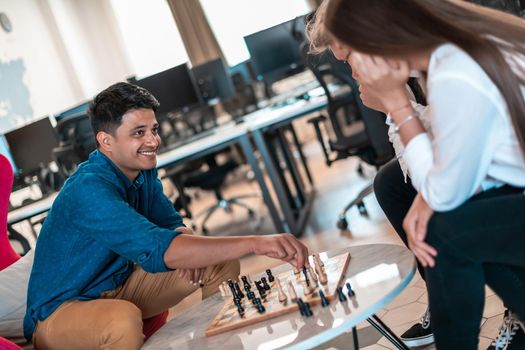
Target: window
151, 37
231, 20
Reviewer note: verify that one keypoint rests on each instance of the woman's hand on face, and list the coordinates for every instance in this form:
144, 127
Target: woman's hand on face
370, 99
386, 78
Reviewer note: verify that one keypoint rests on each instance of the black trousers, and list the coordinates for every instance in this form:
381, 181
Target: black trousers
481, 242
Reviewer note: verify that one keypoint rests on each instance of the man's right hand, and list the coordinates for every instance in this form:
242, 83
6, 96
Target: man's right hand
282, 246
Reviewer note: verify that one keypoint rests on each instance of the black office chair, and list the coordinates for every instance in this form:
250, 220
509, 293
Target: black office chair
76, 141
212, 177
245, 99
355, 130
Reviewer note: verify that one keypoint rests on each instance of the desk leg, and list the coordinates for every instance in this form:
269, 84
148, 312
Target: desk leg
299, 147
292, 166
248, 152
354, 337
276, 181
386, 332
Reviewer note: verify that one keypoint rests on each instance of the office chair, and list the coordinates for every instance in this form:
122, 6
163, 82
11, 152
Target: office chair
245, 99
213, 179
76, 142
355, 130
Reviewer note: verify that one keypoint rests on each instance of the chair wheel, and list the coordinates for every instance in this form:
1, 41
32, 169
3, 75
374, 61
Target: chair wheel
251, 213
342, 224
362, 209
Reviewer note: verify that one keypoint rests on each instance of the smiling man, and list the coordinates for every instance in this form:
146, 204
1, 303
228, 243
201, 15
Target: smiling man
113, 251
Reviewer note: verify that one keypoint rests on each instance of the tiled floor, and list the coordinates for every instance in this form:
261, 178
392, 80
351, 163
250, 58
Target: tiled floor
336, 186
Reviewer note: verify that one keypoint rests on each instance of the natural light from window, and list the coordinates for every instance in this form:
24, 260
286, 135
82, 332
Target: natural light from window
231, 20
150, 35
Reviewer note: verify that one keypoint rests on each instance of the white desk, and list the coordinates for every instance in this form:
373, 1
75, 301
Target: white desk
377, 272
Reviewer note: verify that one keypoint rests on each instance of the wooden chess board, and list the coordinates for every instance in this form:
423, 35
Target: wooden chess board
228, 318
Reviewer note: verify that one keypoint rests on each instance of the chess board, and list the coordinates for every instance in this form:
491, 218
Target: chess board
228, 318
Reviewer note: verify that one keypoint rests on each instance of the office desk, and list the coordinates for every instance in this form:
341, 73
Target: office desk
256, 124
377, 273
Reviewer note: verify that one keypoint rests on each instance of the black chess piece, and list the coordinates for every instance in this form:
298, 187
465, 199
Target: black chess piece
265, 283
237, 301
232, 288
240, 294
250, 295
324, 301
271, 278
247, 288
240, 310
300, 304
306, 279
260, 307
307, 310
351, 292
244, 280
340, 294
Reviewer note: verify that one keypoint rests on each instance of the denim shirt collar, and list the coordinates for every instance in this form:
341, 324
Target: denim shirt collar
127, 183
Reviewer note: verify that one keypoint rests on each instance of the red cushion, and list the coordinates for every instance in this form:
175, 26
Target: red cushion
7, 254
153, 324
7, 345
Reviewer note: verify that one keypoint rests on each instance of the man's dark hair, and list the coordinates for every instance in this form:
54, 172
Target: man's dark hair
111, 104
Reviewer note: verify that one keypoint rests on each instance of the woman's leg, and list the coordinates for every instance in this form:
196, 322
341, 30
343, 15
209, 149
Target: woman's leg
395, 196
484, 230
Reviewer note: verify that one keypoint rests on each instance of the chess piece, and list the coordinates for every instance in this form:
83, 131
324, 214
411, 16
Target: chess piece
265, 283
300, 304
340, 294
282, 296
307, 310
306, 279
351, 292
312, 277
296, 271
271, 278
260, 307
221, 289
317, 260
240, 294
306, 288
323, 278
232, 288
291, 291
240, 309
324, 301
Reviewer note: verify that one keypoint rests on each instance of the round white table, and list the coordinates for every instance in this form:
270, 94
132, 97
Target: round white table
377, 273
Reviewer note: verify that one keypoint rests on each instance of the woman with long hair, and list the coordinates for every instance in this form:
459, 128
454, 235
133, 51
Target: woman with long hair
466, 223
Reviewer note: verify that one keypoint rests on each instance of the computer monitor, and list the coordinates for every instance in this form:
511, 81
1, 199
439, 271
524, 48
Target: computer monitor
72, 111
173, 88
31, 146
213, 81
276, 51
244, 69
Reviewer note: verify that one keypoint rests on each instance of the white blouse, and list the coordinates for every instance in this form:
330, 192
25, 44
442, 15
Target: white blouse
473, 145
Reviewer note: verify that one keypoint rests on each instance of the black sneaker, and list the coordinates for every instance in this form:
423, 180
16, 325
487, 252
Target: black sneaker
419, 334
511, 334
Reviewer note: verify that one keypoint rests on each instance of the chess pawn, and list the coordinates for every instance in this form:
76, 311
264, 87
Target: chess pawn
221, 288
317, 260
291, 291
282, 296
306, 288
296, 271
323, 278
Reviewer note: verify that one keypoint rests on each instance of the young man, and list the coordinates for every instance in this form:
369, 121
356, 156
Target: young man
113, 251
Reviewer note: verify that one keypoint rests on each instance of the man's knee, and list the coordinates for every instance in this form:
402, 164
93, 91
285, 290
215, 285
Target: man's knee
124, 326
232, 268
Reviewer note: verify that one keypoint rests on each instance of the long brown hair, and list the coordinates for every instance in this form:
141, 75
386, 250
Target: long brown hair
395, 28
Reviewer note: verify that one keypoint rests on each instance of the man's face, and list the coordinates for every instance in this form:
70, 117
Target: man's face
135, 144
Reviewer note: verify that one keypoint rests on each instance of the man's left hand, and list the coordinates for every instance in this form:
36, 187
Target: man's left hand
415, 225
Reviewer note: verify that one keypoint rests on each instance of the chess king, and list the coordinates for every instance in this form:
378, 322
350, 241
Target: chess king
113, 251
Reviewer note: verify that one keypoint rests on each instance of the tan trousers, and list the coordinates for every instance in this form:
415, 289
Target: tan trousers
115, 320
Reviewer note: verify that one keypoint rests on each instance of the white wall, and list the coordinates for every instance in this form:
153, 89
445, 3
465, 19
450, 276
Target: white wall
30, 45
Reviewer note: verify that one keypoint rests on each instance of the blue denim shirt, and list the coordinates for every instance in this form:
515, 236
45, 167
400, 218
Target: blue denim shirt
99, 226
